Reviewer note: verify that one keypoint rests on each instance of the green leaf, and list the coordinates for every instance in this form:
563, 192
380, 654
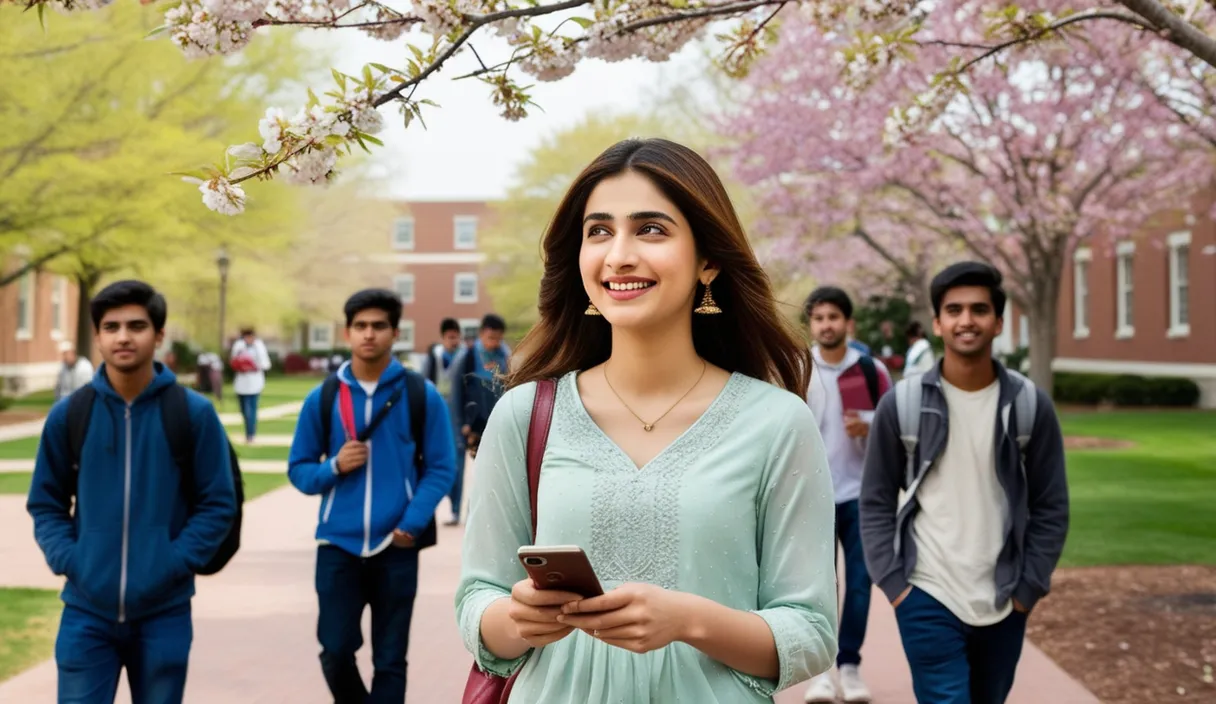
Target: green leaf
417, 53
312, 98
369, 138
382, 68
428, 101
42, 15
367, 76
582, 22
340, 78
159, 30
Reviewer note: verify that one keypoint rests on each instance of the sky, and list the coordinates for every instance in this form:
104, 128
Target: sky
468, 151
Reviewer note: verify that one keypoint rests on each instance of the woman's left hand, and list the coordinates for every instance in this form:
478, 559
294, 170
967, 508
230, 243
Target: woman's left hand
636, 617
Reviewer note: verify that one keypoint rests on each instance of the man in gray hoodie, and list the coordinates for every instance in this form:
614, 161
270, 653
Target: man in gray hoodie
964, 501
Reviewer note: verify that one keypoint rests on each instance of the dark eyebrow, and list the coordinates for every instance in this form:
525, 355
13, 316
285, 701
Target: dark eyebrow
643, 215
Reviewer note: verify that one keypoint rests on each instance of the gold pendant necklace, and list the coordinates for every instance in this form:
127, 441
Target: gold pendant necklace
650, 426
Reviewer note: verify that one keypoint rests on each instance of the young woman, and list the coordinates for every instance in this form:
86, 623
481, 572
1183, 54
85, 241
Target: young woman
682, 458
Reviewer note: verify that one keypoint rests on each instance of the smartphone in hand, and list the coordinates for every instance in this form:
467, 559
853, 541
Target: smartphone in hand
560, 567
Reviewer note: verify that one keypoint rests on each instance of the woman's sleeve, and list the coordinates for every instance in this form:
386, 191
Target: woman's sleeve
797, 542
500, 521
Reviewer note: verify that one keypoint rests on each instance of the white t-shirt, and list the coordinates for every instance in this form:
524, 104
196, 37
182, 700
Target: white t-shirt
250, 383
964, 514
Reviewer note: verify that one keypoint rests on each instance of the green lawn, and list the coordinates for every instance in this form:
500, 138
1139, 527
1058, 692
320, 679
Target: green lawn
277, 426
256, 483
1151, 504
29, 619
40, 401
261, 452
279, 390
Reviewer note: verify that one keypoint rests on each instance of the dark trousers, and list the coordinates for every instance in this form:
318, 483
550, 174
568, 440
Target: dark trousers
953, 663
387, 582
249, 411
92, 651
857, 585
456, 495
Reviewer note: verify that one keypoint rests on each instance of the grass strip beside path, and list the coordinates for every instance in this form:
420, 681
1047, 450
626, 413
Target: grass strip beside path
29, 619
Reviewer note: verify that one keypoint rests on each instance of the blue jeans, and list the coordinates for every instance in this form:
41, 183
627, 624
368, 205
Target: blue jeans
346, 584
855, 613
92, 651
456, 495
953, 663
249, 411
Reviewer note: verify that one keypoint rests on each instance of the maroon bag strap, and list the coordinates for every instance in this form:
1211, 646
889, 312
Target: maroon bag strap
538, 438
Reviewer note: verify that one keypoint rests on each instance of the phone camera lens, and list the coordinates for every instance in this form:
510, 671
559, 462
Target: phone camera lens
535, 561
555, 576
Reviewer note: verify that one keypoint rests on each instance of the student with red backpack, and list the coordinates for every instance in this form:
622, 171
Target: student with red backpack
845, 388
375, 443
145, 520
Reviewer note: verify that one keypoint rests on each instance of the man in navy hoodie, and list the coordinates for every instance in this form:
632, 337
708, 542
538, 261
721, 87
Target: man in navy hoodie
130, 548
376, 502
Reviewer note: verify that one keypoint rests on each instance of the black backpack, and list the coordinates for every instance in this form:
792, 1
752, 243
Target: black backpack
175, 417
415, 391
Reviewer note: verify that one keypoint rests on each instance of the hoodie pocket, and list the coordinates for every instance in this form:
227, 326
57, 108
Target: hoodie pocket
95, 567
155, 572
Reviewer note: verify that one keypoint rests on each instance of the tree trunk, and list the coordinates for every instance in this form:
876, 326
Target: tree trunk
1044, 314
85, 283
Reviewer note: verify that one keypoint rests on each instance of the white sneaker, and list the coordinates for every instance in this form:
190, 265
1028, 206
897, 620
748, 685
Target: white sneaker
853, 689
822, 690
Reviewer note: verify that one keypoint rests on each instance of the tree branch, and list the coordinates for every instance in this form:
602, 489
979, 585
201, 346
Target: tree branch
1174, 29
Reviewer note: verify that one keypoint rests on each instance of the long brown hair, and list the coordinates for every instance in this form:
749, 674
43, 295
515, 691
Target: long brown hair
749, 336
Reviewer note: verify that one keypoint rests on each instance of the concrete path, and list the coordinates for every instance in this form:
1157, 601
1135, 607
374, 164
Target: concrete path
255, 640
33, 428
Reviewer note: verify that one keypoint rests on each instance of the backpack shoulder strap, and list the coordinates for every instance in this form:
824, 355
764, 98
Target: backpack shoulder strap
1025, 408
870, 371
415, 392
907, 408
175, 417
470, 360
538, 438
80, 409
329, 394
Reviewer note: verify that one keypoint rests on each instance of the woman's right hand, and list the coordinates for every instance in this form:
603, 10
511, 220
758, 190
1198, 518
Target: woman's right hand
535, 611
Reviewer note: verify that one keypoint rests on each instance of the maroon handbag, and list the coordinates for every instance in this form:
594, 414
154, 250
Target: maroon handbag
483, 687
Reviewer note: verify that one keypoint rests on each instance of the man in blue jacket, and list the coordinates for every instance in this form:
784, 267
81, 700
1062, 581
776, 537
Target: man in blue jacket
378, 500
131, 547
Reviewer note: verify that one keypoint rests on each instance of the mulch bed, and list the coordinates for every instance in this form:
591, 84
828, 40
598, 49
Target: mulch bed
1084, 442
13, 417
1139, 635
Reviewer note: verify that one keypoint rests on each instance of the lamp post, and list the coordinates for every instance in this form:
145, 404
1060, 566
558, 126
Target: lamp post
222, 261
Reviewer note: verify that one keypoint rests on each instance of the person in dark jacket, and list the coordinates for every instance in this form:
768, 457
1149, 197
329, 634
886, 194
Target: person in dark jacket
375, 503
131, 547
963, 539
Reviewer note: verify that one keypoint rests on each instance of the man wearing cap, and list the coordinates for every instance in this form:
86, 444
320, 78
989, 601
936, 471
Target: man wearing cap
75, 372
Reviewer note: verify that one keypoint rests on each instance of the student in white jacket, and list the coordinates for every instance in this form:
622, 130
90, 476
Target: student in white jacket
249, 382
920, 357
75, 372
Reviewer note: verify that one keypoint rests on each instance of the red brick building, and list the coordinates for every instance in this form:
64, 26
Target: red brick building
434, 247
1144, 306
37, 312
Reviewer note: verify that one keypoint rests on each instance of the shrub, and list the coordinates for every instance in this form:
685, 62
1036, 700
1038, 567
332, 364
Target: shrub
1125, 390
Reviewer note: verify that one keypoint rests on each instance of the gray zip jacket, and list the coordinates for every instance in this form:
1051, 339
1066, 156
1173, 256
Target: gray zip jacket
1038, 496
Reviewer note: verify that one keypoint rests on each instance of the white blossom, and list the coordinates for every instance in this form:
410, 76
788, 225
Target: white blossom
551, 62
271, 129
223, 197
316, 123
310, 167
200, 33
366, 118
386, 32
236, 10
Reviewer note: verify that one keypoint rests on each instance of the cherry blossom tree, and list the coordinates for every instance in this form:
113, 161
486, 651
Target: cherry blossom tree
548, 39
1051, 145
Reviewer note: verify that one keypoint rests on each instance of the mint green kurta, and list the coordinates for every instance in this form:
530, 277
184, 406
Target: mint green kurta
738, 509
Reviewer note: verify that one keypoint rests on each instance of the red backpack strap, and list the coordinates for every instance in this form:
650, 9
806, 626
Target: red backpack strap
538, 438
346, 411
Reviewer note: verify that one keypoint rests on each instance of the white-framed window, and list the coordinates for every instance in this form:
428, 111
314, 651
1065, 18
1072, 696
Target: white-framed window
1124, 290
1080, 292
406, 337
321, 336
464, 232
25, 306
403, 233
403, 285
469, 327
59, 297
1180, 284
466, 288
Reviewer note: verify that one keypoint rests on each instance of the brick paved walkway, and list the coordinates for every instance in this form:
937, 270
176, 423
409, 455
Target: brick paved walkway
254, 625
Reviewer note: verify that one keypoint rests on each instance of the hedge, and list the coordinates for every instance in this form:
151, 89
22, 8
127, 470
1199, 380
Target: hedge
1125, 390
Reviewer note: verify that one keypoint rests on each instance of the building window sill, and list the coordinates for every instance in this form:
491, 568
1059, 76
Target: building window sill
1178, 331
24, 335
1081, 334
1125, 333
56, 335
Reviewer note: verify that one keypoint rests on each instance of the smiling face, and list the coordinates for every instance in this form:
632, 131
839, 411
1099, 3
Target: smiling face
829, 327
638, 259
127, 338
968, 322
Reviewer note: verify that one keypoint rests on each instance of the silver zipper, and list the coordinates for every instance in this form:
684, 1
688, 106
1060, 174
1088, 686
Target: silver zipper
126, 523
329, 504
367, 492
409, 490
